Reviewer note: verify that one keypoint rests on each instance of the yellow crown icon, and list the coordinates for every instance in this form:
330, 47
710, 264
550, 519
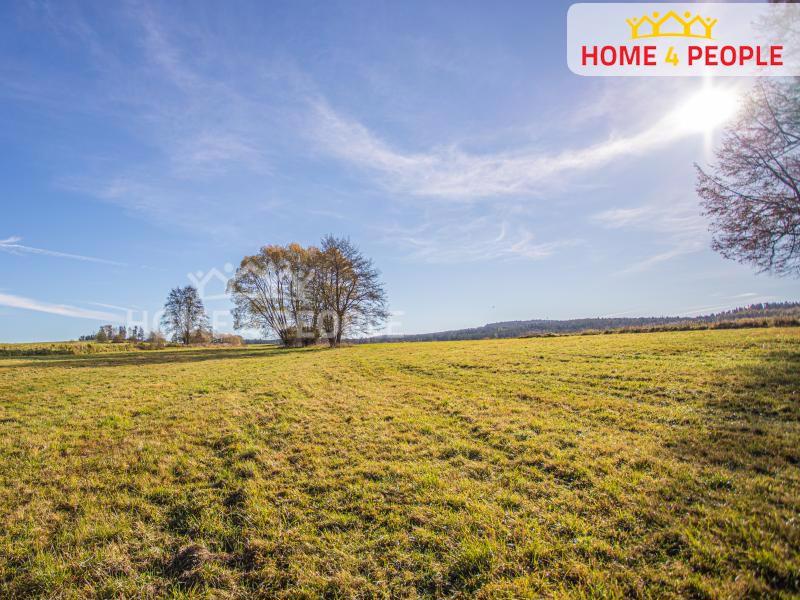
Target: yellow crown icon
671, 25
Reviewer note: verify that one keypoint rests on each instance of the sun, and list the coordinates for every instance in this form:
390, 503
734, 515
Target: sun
707, 109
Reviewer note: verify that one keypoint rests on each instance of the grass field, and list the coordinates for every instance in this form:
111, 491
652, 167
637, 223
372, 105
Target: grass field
652, 465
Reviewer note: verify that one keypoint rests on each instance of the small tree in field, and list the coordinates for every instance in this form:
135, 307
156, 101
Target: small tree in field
184, 314
752, 194
121, 335
105, 333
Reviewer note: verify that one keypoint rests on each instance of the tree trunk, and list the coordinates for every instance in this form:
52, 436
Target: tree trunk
286, 338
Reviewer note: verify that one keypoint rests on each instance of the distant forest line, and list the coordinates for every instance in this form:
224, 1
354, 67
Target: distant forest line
788, 311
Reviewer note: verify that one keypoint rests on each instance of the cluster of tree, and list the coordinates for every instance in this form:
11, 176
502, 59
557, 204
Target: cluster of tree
298, 294
301, 294
107, 333
752, 194
513, 329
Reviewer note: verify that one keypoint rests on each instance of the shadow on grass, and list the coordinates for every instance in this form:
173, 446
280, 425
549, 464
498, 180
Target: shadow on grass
151, 357
746, 455
750, 417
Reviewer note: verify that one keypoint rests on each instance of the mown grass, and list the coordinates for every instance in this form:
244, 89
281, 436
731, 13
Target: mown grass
658, 465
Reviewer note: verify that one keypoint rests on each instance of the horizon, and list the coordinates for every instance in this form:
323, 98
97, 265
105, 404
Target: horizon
156, 144
692, 316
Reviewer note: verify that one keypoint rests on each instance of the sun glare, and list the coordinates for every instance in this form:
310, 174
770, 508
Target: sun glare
707, 109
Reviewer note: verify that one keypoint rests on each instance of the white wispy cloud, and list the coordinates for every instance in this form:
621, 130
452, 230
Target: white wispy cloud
693, 311
204, 127
457, 238
213, 152
124, 309
678, 224
12, 246
64, 310
451, 173
651, 261
206, 123
215, 122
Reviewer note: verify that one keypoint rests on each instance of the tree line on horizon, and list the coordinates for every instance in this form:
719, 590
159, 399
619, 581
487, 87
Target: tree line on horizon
776, 313
108, 333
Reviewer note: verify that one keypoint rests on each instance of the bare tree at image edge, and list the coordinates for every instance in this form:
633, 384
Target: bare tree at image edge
752, 193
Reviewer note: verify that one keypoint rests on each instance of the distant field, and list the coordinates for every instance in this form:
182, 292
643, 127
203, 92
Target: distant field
48, 348
653, 465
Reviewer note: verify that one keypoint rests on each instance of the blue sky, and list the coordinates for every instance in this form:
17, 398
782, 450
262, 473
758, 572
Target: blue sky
147, 141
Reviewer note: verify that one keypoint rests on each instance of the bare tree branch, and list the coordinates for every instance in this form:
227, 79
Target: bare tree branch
752, 193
